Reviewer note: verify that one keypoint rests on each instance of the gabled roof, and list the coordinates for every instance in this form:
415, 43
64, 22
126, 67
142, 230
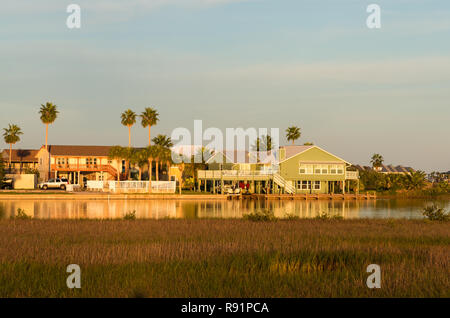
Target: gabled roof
21, 155
232, 156
292, 151
75, 150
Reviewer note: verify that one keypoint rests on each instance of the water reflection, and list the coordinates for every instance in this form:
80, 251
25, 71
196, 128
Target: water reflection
157, 209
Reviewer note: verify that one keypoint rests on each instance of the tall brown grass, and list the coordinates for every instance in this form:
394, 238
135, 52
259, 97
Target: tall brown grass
224, 258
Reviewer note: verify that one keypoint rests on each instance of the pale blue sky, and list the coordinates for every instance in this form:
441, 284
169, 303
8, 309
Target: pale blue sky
256, 63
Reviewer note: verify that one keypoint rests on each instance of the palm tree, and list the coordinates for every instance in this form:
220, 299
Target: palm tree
11, 136
376, 160
263, 143
128, 119
140, 158
128, 156
293, 133
48, 116
116, 153
149, 118
150, 153
162, 144
415, 180
163, 141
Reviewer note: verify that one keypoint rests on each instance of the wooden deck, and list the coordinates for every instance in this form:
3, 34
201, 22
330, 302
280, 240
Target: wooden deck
365, 196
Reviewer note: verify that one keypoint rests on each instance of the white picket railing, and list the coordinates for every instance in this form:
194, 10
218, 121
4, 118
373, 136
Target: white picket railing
93, 185
142, 186
287, 185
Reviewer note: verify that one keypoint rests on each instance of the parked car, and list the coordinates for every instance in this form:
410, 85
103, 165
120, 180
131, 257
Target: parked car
54, 184
7, 183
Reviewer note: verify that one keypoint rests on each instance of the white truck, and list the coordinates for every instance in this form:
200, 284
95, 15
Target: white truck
59, 183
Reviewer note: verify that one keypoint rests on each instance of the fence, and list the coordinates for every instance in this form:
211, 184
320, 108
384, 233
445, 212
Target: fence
142, 186
95, 185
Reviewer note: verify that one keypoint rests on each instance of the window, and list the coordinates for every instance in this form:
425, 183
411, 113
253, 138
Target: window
336, 169
305, 169
303, 185
316, 185
91, 161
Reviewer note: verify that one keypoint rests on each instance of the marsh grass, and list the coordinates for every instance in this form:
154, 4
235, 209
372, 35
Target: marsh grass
224, 258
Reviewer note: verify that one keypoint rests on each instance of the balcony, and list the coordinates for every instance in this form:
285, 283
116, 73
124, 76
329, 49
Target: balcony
83, 167
351, 175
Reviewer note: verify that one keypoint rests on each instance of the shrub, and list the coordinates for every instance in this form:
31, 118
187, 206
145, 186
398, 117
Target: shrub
130, 216
290, 216
434, 213
327, 216
260, 215
21, 215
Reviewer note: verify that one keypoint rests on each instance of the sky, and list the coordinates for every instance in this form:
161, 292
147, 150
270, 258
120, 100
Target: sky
352, 90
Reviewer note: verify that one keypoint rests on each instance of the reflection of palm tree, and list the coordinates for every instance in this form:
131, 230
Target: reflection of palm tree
293, 133
149, 118
11, 136
376, 160
48, 116
128, 118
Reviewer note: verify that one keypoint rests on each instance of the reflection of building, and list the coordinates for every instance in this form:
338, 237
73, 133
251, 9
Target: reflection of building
22, 160
78, 163
292, 169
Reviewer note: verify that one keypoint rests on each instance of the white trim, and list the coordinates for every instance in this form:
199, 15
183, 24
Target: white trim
317, 161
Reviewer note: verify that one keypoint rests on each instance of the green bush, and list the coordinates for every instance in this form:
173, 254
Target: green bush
434, 213
130, 216
327, 216
260, 215
21, 215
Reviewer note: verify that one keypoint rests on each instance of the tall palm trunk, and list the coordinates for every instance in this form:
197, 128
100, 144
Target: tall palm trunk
127, 170
10, 152
129, 136
46, 136
157, 170
149, 138
168, 169
150, 168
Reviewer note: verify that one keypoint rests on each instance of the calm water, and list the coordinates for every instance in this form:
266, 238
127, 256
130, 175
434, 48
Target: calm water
157, 209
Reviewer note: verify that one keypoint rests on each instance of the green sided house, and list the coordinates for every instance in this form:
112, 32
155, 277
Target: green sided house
310, 169
293, 169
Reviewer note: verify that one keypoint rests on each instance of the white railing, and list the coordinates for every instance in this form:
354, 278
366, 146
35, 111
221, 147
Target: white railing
352, 175
95, 185
287, 185
142, 186
217, 174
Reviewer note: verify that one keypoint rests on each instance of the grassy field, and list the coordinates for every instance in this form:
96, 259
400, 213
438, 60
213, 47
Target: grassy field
224, 258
